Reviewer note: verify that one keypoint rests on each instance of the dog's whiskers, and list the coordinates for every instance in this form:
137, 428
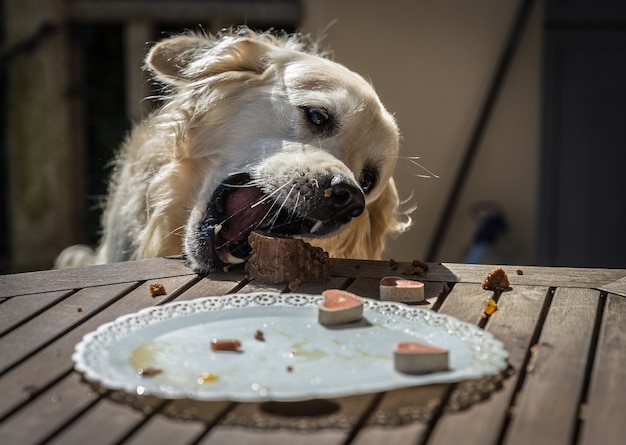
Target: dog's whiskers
266, 197
270, 212
282, 205
251, 183
275, 214
413, 160
295, 206
178, 231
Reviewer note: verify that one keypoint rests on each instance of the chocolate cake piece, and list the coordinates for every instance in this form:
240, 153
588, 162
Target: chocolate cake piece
497, 279
282, 259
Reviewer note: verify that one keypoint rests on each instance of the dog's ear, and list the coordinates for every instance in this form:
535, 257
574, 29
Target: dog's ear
169, 58
186, 58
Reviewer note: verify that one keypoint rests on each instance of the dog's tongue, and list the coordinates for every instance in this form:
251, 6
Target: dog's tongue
245, 210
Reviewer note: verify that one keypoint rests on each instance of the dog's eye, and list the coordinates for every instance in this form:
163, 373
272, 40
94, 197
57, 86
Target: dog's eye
317, 116
368, 180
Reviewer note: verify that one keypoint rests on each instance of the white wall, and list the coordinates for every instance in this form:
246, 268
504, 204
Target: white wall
431, 62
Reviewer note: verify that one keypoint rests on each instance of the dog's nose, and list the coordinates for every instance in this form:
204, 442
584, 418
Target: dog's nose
346, 199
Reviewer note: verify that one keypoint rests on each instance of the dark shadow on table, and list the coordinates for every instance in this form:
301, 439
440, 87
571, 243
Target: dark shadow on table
398, 407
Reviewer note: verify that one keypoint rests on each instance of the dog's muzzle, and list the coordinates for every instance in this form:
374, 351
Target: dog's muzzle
238, 207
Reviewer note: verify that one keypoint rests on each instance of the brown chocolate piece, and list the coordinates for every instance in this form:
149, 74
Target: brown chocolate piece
225, 345
417, 267
157, 289
497, 279
149, 372
278, 259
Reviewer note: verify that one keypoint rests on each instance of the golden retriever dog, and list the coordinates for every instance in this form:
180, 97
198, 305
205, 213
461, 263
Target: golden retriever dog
257, 132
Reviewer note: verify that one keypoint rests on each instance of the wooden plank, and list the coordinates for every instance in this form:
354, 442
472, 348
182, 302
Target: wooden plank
69, 279
317, 287
241, 435
514, 324
37, 372
176, 421
250, 423
60, 318
37, 420
380, 269
466, 302
304, 288
257, 286
616, 287
365, 287
194, 410
475, 273
546, 410
402, 416
30, 283
391, 435
235, 282
538, 276
603, 415
15, 310
163, 430
216, 284
90, 427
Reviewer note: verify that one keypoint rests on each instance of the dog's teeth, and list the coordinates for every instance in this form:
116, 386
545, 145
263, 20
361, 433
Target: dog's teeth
316, 226
232, 259
217, 229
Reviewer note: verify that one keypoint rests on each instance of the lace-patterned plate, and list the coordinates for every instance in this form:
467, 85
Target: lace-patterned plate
298, 358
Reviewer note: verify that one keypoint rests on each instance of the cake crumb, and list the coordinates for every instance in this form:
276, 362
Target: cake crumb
497, 279
157, 289
149, 372
226, 345
293, 284
417, 267
259, 335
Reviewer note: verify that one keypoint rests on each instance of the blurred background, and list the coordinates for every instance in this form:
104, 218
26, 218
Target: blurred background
512, 112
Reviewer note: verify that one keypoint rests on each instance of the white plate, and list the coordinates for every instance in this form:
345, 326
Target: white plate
299, 359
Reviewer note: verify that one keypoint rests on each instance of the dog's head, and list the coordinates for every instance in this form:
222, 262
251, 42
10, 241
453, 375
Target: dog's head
281, 140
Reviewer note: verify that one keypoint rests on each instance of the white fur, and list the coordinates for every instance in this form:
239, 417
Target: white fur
236, 103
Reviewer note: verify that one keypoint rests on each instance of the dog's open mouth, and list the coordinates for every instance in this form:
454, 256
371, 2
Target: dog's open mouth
238, 207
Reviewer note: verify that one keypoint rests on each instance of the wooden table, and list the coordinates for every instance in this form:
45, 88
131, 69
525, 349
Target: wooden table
565, 330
